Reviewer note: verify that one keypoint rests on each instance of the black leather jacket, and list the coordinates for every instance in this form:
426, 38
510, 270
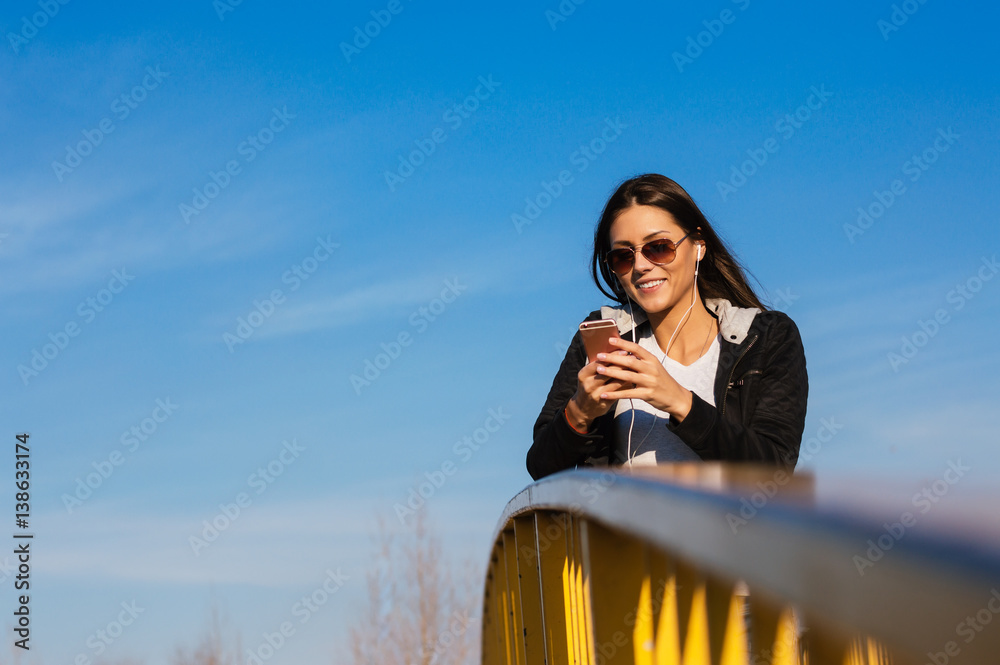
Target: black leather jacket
760, 389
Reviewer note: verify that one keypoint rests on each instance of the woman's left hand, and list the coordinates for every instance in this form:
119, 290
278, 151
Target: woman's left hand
651, 381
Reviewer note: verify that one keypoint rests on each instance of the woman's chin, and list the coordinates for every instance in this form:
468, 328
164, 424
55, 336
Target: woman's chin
662, 300
658, 301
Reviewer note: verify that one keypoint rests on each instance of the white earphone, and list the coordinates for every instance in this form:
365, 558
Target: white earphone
628, 451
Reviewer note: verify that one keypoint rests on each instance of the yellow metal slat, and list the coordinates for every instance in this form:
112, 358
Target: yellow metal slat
503, 605
550, 546
500, 648
583, 592
722, 627
617, 564
697, 650
489, 638
668, 634
786, 640
514, 593
735, 649
689, 581
774, 632
530, 592
643, 642
485, 637
573, 609
826, 645
877, 654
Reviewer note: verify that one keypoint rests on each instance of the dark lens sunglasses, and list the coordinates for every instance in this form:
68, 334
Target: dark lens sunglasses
660, 251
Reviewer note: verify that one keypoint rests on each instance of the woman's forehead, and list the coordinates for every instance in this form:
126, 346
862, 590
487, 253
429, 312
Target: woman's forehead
638, 223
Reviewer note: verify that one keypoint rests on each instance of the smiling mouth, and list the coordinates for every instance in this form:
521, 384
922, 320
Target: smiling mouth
649, 286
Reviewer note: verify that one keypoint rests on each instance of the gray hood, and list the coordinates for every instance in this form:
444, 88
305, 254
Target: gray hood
734, 322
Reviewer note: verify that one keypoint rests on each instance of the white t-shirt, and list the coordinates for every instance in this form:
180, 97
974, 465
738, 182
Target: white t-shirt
651, 442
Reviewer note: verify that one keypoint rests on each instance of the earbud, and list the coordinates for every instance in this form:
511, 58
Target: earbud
699, 252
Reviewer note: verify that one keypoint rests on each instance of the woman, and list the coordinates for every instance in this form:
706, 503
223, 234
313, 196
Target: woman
703, 370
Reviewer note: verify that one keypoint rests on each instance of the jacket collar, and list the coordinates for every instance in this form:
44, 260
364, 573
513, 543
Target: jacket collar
734, 322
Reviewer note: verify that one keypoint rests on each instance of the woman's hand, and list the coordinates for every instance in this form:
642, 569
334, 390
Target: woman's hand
641, 376
587, 404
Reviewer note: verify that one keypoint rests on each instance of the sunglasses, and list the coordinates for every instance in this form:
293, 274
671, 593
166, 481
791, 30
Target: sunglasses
660, 251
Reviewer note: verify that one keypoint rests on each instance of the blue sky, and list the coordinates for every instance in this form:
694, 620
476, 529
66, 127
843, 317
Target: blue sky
301, 234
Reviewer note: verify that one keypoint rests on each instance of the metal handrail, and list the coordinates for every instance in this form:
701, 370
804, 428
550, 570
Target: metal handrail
719, 563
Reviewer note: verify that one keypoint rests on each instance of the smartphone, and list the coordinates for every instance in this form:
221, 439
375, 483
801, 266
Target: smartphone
595, 336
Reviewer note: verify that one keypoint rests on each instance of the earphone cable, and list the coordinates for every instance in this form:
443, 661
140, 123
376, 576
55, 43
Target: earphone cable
694, 286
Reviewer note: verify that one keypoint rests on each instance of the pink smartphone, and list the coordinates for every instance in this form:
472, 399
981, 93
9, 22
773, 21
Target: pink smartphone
595, 336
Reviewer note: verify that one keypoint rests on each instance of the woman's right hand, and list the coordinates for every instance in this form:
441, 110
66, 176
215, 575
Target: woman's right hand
586, 405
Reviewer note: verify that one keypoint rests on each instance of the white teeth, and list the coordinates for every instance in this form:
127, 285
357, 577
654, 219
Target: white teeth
650, 285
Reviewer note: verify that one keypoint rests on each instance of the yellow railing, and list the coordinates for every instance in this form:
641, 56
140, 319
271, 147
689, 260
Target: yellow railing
701, 564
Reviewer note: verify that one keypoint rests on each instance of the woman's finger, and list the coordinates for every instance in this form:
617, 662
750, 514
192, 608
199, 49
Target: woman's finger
607, 359
630, 391
632, 348
623, 374
598, 386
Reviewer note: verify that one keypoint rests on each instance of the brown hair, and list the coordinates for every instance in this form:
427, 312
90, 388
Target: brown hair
720, 275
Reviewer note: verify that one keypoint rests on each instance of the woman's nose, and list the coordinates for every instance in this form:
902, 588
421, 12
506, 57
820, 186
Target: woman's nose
642, 264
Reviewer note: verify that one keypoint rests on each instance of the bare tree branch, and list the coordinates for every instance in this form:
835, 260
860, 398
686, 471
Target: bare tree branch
420, 610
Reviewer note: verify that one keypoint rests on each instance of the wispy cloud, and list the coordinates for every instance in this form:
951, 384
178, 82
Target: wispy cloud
354, 306
494, 269
111, 542
271, 544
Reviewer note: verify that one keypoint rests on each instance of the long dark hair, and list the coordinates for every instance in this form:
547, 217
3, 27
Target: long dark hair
720, 276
